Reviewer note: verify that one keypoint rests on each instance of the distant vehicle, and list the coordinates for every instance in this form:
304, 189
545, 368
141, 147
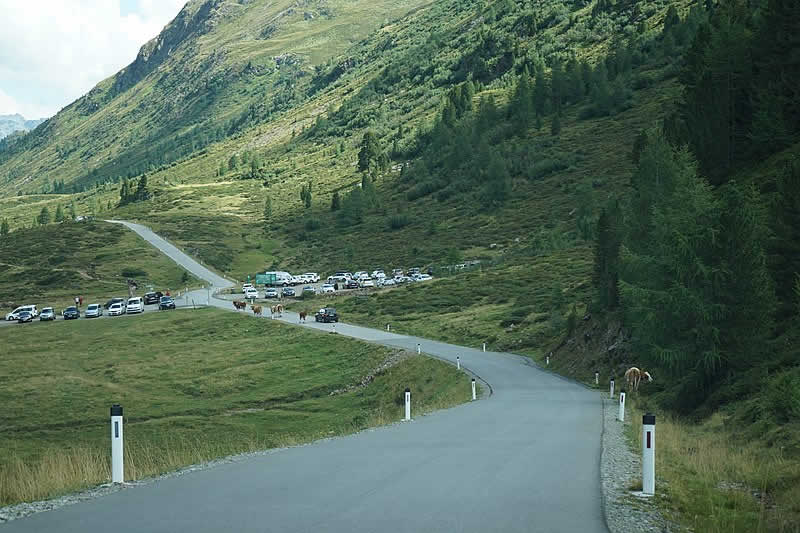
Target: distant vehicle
326, 314
165, 303
328, 288
24, 316
388, 282
403, 279
246, 286
13, 315
250, 293
48, 313
397, 272
312, 277
308, 289
423, 277
271, 293
152, 297
116, 309
135, 305
113, 301
351, 284
281, 278
288, 291
412, 271
367, 283
71, 313
340, 279
94, 311
378, 274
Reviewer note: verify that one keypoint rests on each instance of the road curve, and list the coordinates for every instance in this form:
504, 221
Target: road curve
524, 459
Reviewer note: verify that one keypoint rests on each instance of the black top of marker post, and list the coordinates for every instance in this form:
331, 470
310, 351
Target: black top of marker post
649, 419
408, 390
116, 410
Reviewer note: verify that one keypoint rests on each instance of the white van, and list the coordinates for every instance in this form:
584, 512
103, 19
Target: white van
281, 278
135, 305
13, 315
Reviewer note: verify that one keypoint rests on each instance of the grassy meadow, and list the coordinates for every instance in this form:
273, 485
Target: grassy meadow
195, 385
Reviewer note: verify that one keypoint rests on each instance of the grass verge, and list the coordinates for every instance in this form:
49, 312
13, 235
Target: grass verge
195, 385
712, 481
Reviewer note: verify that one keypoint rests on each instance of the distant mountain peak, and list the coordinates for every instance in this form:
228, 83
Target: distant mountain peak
16, 122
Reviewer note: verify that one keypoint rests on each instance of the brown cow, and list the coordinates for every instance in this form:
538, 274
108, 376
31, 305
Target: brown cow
256, 309
303, 315
239, 305
634, 376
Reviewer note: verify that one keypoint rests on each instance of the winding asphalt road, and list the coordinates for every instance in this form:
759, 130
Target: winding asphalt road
524, 459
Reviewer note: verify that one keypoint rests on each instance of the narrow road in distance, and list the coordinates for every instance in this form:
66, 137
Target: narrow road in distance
525, 459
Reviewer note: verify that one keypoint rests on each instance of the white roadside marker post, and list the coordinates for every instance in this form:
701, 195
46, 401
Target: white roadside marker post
408, 403
611, 394
388, 328
474, 396
597, 377
117, 464
484, 346
419, 349
547, 361
458, 363
649, 454
621, 416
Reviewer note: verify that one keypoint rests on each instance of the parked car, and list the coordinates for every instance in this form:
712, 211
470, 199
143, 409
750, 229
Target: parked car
351, 284
71, 313
328, 288
397, 272
152, 297
312, 277
340, 279
48, 313
412, 271
246, 286
271, 293
388, 282
423, 277
14, 315
403, 279
113, 301
288, 291
116, 309
367, 283
24, 316
165, 303
378, 274
94, 311
135, 305
250, 293
308, 289
326, 314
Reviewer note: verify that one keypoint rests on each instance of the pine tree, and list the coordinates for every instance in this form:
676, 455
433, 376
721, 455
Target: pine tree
369, 152
59, 214
307, 201
335, 201
72, 214
555, 126
44, 216
4, 229
607, 257
233, 162
142, 192
541, 94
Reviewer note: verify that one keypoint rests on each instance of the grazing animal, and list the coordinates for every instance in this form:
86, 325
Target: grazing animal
239, 305
256, 309
303, 315
276, 310
634, 376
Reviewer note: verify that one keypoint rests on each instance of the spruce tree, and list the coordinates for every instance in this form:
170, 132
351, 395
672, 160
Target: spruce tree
4, 229
59, 214
44, 216
606, 258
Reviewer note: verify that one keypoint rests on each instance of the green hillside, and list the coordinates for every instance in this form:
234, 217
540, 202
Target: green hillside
633, 164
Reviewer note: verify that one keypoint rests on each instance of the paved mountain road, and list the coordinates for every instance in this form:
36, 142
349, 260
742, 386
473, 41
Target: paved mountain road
524, 459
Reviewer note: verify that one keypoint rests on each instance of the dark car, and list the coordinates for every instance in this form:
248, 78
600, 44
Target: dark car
166, 303
351, 284
71, 312
24, 316
327, 314
113, 301
152, 297
288, 291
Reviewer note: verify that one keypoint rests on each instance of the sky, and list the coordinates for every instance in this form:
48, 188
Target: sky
54, 51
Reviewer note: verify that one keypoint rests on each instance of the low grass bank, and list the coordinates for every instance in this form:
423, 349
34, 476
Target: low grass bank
50, 265
195, 385
712, 480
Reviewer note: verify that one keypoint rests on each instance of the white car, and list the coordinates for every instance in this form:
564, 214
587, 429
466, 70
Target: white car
312, 277
378, 274
423, 277
336, 279
14, 315
94, 311
389, 282
116, 309
327, 288
135, 305
250, 293
48, 313
366, 283
246, 286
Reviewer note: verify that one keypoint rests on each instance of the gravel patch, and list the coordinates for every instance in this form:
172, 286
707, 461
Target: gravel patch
621, 468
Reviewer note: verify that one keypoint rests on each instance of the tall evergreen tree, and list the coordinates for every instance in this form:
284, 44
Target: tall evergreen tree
606, 258
59, 214
4, 228
44, 216
369, 152
336, 202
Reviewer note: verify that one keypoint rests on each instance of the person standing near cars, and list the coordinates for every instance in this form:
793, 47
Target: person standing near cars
77, 300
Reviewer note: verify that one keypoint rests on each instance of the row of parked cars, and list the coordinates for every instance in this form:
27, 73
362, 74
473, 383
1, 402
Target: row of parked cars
377, 278
115, 307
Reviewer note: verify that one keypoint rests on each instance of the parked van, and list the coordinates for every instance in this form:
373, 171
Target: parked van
14, 315
135, 305
281, 278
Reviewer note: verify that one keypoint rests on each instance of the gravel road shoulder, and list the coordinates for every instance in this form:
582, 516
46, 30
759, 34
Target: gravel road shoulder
620, 468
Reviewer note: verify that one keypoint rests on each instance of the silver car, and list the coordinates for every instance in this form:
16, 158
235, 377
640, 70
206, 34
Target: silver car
94, 311
48, 313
